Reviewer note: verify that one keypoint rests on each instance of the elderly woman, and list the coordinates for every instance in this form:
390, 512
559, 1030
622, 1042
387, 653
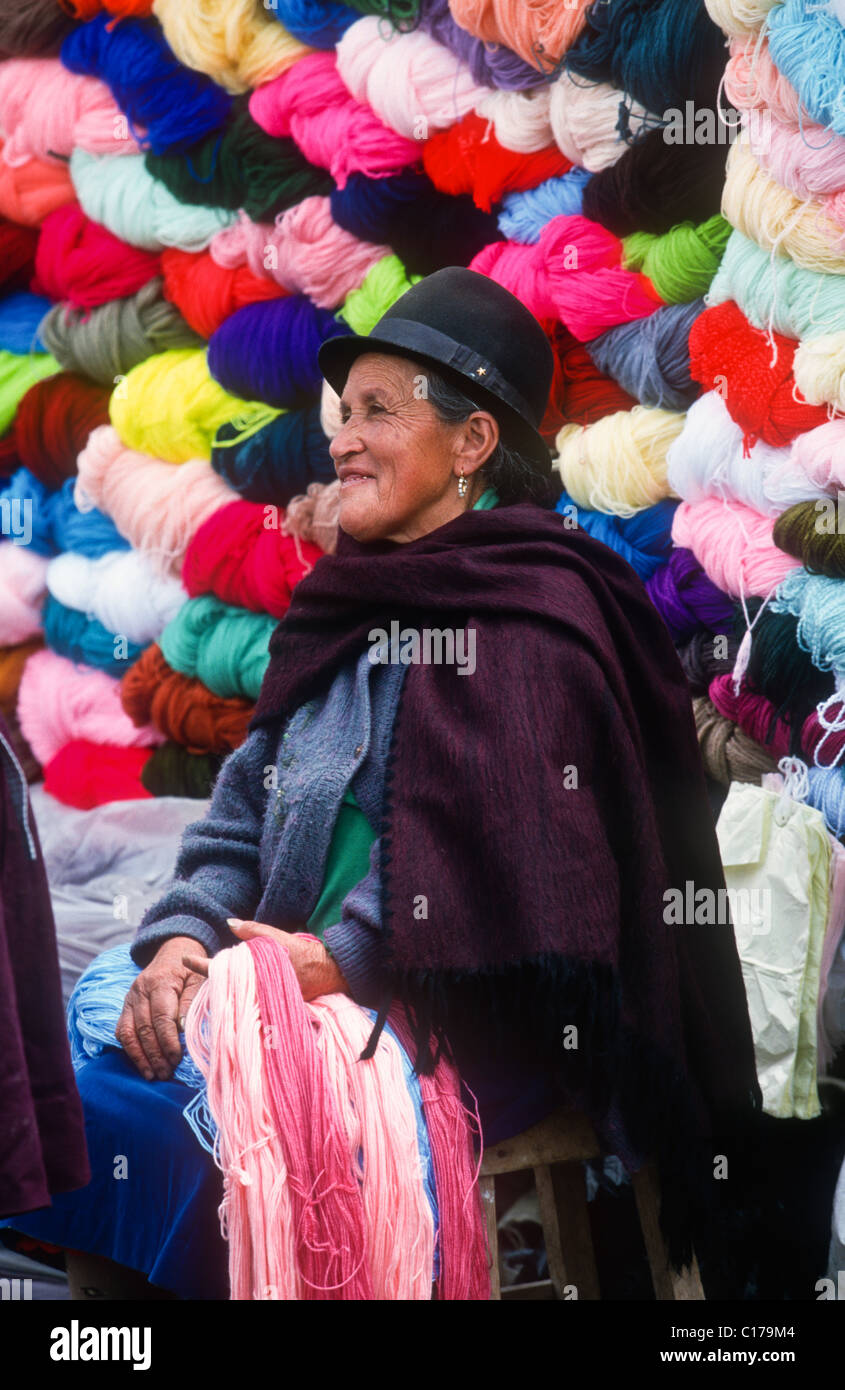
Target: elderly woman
471, 782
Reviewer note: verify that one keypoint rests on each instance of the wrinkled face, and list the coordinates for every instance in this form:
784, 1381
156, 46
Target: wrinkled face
397, 461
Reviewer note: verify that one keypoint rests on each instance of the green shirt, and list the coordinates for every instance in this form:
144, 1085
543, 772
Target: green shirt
348, 859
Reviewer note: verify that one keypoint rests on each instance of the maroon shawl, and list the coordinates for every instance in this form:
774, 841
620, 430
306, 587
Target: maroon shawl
539, 808
42, 1133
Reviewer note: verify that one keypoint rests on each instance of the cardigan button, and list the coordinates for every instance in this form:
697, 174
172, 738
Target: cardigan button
359, 750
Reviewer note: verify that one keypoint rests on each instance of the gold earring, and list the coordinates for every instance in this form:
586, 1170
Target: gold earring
462, 485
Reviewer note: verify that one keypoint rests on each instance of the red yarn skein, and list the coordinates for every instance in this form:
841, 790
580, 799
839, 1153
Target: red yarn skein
17, 254
729, 355
86, 774
206, 293
755, 716
9, 461
580, 393
467, 158
53, 422
236, 555
88, 9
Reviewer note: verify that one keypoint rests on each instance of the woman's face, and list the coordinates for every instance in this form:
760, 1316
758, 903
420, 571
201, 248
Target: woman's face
397, 461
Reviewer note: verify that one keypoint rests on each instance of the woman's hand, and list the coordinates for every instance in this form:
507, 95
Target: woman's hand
156, 1006
315, 969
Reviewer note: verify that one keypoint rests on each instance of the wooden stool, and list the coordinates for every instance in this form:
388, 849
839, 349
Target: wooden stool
555, 1149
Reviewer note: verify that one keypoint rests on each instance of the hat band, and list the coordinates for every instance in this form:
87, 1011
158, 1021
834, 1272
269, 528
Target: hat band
406, 333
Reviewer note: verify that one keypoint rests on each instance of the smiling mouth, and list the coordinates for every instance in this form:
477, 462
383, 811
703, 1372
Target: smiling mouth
353, 479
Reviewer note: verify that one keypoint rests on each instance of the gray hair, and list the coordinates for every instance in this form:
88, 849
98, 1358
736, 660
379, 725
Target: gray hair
513, 475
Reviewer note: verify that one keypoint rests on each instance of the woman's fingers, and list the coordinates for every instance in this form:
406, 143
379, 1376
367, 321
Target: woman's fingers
128, 1039
160, 1039
246, 930
140, 1035
199, 965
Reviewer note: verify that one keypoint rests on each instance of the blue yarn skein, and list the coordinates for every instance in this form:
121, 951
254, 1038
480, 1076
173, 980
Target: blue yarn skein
55, 521
176, 104
20, 318
524, 215
649, 358
827, 794
644, 540
819, 605
73, 634
426, 229
97, 1003
772, 291
88, 533
807, 46
277, 462
660, 52
268, 351
319, 23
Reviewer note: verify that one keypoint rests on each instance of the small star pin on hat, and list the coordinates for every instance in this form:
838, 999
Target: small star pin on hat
481, 371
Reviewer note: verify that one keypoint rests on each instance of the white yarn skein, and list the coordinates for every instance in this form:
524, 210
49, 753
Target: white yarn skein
120, 589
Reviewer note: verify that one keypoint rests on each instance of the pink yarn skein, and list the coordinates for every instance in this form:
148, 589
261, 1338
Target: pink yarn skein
157, 506
23, 587
752, 80
807, 159
46, 112
85, 264
312, 104
734, 546
522, 270
306, 251
59, 702
572, 274
413, 83
333, 1139
820, 454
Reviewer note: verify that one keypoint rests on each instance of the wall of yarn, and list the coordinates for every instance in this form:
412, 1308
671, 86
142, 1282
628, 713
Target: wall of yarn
758, 461
195, 193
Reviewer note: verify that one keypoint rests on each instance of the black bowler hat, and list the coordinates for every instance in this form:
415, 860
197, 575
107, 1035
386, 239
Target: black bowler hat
480, 336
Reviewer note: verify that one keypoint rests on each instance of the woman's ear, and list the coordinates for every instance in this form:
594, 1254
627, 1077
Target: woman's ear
476, 439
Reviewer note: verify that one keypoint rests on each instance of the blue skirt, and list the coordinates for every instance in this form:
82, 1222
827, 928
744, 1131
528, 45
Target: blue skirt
152, 1201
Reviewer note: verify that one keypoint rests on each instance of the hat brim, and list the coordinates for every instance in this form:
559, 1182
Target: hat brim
336, 356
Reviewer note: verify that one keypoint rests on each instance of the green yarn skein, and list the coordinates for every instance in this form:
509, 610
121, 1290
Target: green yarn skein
682, 263
226, 648
384, 283
17, 374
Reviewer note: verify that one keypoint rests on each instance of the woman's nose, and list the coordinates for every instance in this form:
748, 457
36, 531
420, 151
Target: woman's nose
346, 441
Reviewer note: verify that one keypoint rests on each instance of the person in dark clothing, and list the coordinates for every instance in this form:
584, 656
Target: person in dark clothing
505, 820
42, 1136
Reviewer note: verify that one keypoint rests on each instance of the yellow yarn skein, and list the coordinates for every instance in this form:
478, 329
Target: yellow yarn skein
618, 464
171, 407
778, 220
739, 17
819, 367
236, 42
